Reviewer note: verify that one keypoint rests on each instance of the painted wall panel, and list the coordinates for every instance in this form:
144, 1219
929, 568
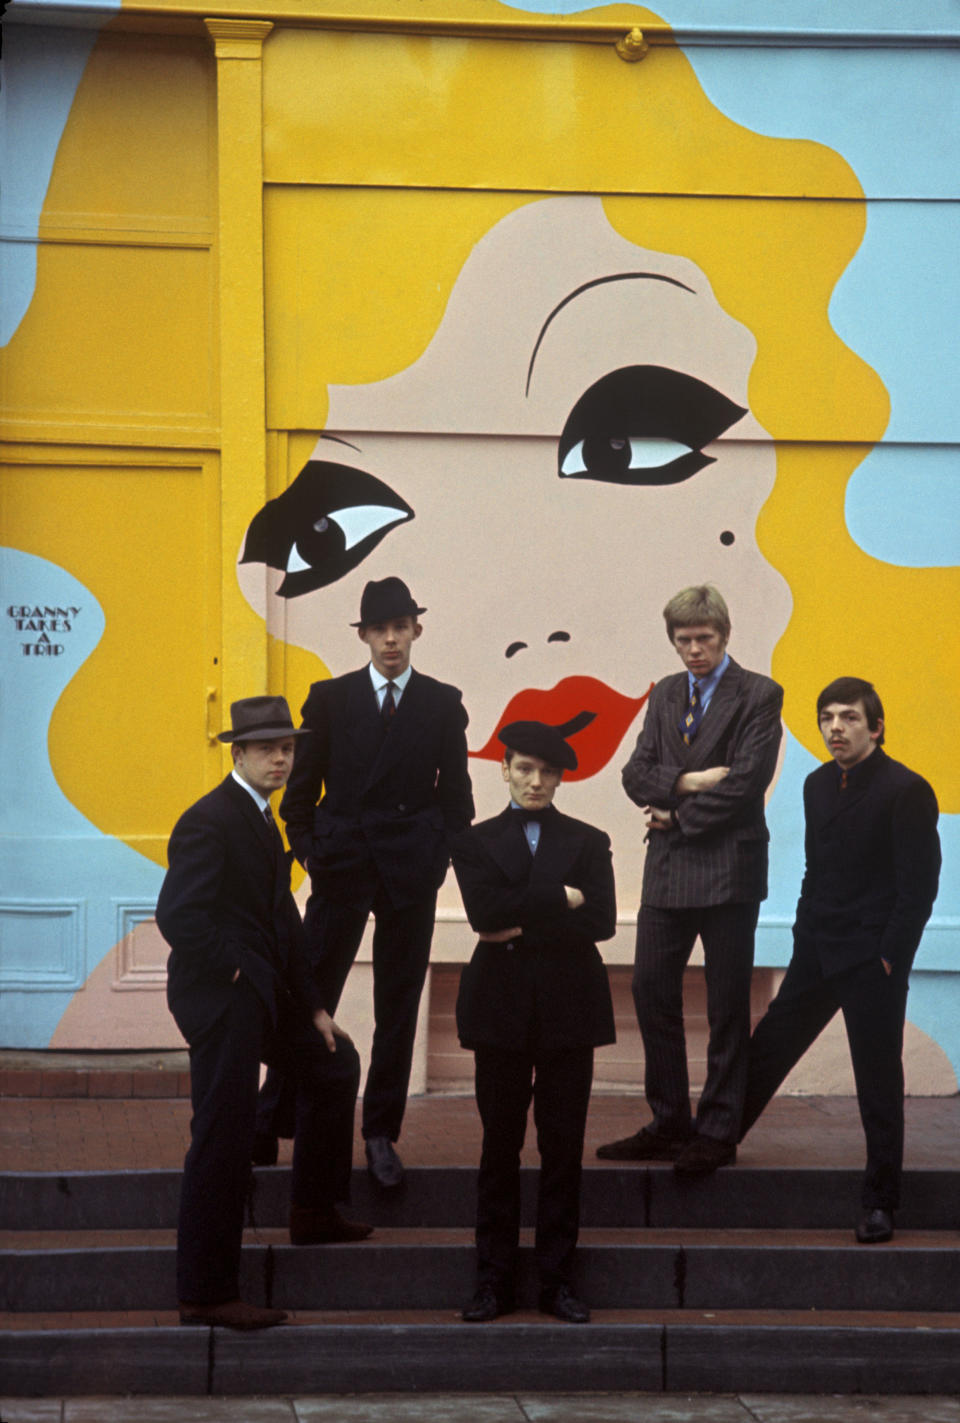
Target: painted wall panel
472, 248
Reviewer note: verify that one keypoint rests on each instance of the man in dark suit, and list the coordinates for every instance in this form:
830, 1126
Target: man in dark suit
705, 756
239, 989
534, 1001
872, 868
387, 762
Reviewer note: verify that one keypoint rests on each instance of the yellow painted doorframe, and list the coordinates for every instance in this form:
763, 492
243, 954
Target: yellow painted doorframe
238, 46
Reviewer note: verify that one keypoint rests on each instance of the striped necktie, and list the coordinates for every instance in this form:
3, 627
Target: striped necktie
388, 710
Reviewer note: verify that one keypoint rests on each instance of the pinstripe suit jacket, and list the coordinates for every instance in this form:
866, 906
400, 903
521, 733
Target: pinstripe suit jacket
718, 854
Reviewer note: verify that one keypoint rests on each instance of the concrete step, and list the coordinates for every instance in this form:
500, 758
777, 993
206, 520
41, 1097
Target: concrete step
650, 1196
672, 1351
434, 1269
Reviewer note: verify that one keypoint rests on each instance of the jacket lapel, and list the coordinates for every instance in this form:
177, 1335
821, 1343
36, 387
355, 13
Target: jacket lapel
675, 704
364, 727
724, 704
558, 848
246, 809
836, 802
508, 846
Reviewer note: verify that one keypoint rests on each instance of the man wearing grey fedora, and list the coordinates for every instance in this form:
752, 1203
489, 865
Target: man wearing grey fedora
240, 990
380, 788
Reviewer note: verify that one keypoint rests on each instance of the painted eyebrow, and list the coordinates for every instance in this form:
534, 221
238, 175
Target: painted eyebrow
598, 282
336, 440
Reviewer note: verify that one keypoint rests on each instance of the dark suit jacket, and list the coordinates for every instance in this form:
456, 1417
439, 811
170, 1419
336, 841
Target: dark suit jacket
226, 904
390, 800
550, 989
719, 853
872, 864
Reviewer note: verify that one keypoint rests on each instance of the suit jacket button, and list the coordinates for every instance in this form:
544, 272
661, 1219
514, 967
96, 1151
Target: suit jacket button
401, 808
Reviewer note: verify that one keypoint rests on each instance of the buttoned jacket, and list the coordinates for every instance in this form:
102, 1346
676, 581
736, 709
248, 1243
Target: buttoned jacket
225, 905
365, 805
547, 988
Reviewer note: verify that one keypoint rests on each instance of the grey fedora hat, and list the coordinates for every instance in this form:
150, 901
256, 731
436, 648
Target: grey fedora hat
260, 719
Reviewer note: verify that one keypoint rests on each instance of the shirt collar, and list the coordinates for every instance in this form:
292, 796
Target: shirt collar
708, 683
380, 681
258, 798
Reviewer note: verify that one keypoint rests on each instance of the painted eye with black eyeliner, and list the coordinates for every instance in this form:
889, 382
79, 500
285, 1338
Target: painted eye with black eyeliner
644, 425
327, 522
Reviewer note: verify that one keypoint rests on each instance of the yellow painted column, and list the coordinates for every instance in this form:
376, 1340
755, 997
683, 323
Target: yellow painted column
238, 46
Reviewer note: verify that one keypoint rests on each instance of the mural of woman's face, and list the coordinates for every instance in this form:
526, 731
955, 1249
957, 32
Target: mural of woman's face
572, 448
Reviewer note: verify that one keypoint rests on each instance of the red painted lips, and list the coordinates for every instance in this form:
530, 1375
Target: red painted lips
596, 743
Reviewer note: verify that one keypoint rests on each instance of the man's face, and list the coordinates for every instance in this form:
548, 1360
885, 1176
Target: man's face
848, 736
389, 643
701, 648
265, 765
533, 782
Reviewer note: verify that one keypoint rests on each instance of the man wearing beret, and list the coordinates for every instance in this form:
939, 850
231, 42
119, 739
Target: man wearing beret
372, 803
534, 1001
239, 988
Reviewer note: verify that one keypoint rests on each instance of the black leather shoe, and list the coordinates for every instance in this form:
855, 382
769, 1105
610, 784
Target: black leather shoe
703, 1154
875, 1226
486, 1304
383, 1163
563, 1303
265, 1151
644, 1145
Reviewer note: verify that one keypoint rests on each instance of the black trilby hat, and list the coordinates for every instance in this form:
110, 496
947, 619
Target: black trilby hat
384, 599
260, 719
536, 738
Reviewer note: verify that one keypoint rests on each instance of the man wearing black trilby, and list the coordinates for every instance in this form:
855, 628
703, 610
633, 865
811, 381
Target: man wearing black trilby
373, 800
534, 1001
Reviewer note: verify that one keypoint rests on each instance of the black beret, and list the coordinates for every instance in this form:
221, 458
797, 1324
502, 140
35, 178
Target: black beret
536, 738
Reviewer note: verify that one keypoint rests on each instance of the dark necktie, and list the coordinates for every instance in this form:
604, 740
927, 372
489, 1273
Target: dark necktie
275, 837
843, 780
692, 716
388, 710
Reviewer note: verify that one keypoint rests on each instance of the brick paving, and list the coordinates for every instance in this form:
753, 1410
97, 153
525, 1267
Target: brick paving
46, 1133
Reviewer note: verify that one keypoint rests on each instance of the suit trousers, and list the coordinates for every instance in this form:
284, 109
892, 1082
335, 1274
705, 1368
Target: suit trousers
224, 1073
559, 1084
401, 956
874, 1007
665, 939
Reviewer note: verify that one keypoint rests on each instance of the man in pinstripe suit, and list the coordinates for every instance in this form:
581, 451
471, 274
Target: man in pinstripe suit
705, 756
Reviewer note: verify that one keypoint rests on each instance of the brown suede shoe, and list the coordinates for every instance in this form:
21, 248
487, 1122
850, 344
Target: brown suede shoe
324, 1227
233, 1314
